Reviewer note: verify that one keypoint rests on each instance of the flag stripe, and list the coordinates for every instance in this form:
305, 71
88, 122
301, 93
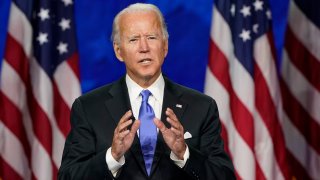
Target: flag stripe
301, 107
242, 118
12, 119
300, 118
7, 172
305, 31
240, 151
268, 113
19, 63
300, 149
16, 159
305, 94
61, 111
267, 103
309, 61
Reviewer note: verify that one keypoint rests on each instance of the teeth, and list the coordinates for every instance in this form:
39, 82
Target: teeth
145, 61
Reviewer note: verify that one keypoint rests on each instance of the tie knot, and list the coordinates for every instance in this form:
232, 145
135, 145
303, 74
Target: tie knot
145, 95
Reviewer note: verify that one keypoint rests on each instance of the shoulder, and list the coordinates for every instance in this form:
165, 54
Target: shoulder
101, 93
187, 94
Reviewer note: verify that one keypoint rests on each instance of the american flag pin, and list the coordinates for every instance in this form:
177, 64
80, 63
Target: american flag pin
178, 105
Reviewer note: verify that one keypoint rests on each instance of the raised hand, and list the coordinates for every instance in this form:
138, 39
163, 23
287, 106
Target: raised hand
173, 136
123, 137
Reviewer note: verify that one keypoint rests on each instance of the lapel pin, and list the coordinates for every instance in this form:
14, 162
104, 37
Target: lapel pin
178, 105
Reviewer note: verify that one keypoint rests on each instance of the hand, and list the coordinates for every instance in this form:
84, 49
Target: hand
173, 136
123, 137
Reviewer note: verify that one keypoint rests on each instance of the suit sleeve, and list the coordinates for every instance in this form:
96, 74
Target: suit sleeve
210, 161
80, 159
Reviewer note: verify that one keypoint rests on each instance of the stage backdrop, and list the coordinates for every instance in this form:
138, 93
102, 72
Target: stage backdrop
269, 125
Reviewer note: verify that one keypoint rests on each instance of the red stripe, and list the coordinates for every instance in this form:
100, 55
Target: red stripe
73, 62
300, 117
12, 119
297, 170
61, 111
16, 57
225, 137
303, 59
242, 118
6, 172
267, 110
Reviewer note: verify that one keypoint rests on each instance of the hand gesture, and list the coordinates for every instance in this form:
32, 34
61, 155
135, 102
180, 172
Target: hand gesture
123, 137
173, 137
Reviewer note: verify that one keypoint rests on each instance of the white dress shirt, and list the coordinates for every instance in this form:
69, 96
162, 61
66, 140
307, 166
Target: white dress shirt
155, 100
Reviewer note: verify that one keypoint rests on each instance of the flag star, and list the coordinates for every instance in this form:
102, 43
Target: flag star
245, 11
64, 24
44, 14
62, 47
67, 2
255, 28
42, 38
268, 13
258, 5
245, 35
233, 9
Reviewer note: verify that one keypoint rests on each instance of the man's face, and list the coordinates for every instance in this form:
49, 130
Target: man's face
142, 46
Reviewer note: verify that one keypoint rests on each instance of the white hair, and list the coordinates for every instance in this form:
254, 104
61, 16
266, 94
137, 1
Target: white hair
137, 7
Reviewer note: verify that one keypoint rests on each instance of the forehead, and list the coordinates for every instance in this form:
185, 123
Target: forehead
139, 21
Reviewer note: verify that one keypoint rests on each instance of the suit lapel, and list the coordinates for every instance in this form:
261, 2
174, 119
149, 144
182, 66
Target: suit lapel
117, 106
119, 103
171, 99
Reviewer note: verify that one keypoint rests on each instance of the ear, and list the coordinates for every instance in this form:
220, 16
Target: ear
166, 46
117, 51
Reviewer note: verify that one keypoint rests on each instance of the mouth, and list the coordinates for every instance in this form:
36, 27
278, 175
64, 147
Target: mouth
145, 61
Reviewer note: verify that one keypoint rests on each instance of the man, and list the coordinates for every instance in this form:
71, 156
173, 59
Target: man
144, 126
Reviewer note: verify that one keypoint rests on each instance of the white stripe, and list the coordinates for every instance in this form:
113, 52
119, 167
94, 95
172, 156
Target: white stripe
67, 82
241, 152
13, 153
265, 62
243, 86
300, 149
14, 89
307, 33
43, 93
20, 29
301, 89
41, 162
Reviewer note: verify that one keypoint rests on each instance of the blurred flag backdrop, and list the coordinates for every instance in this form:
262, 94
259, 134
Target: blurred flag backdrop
266, 80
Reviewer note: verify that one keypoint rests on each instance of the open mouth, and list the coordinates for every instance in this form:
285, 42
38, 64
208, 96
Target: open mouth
145, 61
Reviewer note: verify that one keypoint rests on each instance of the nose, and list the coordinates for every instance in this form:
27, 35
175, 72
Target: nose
143, 45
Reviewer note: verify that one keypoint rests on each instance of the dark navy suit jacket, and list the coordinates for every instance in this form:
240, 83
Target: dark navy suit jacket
95, 115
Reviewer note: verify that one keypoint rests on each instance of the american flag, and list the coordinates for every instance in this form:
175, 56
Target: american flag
39, 81
270, 119
300, 87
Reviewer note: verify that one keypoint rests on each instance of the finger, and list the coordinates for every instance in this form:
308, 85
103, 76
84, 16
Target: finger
171, 114
135, 126
123, 134
125, 117
124, 125
173, 123
177, 132
159, 125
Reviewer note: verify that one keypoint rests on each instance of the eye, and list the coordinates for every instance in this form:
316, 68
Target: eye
133, 40
152, 37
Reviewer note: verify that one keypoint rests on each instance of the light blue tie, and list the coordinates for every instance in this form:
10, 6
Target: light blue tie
148, 130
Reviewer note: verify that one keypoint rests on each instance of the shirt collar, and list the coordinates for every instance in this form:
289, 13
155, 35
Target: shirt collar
156, 89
